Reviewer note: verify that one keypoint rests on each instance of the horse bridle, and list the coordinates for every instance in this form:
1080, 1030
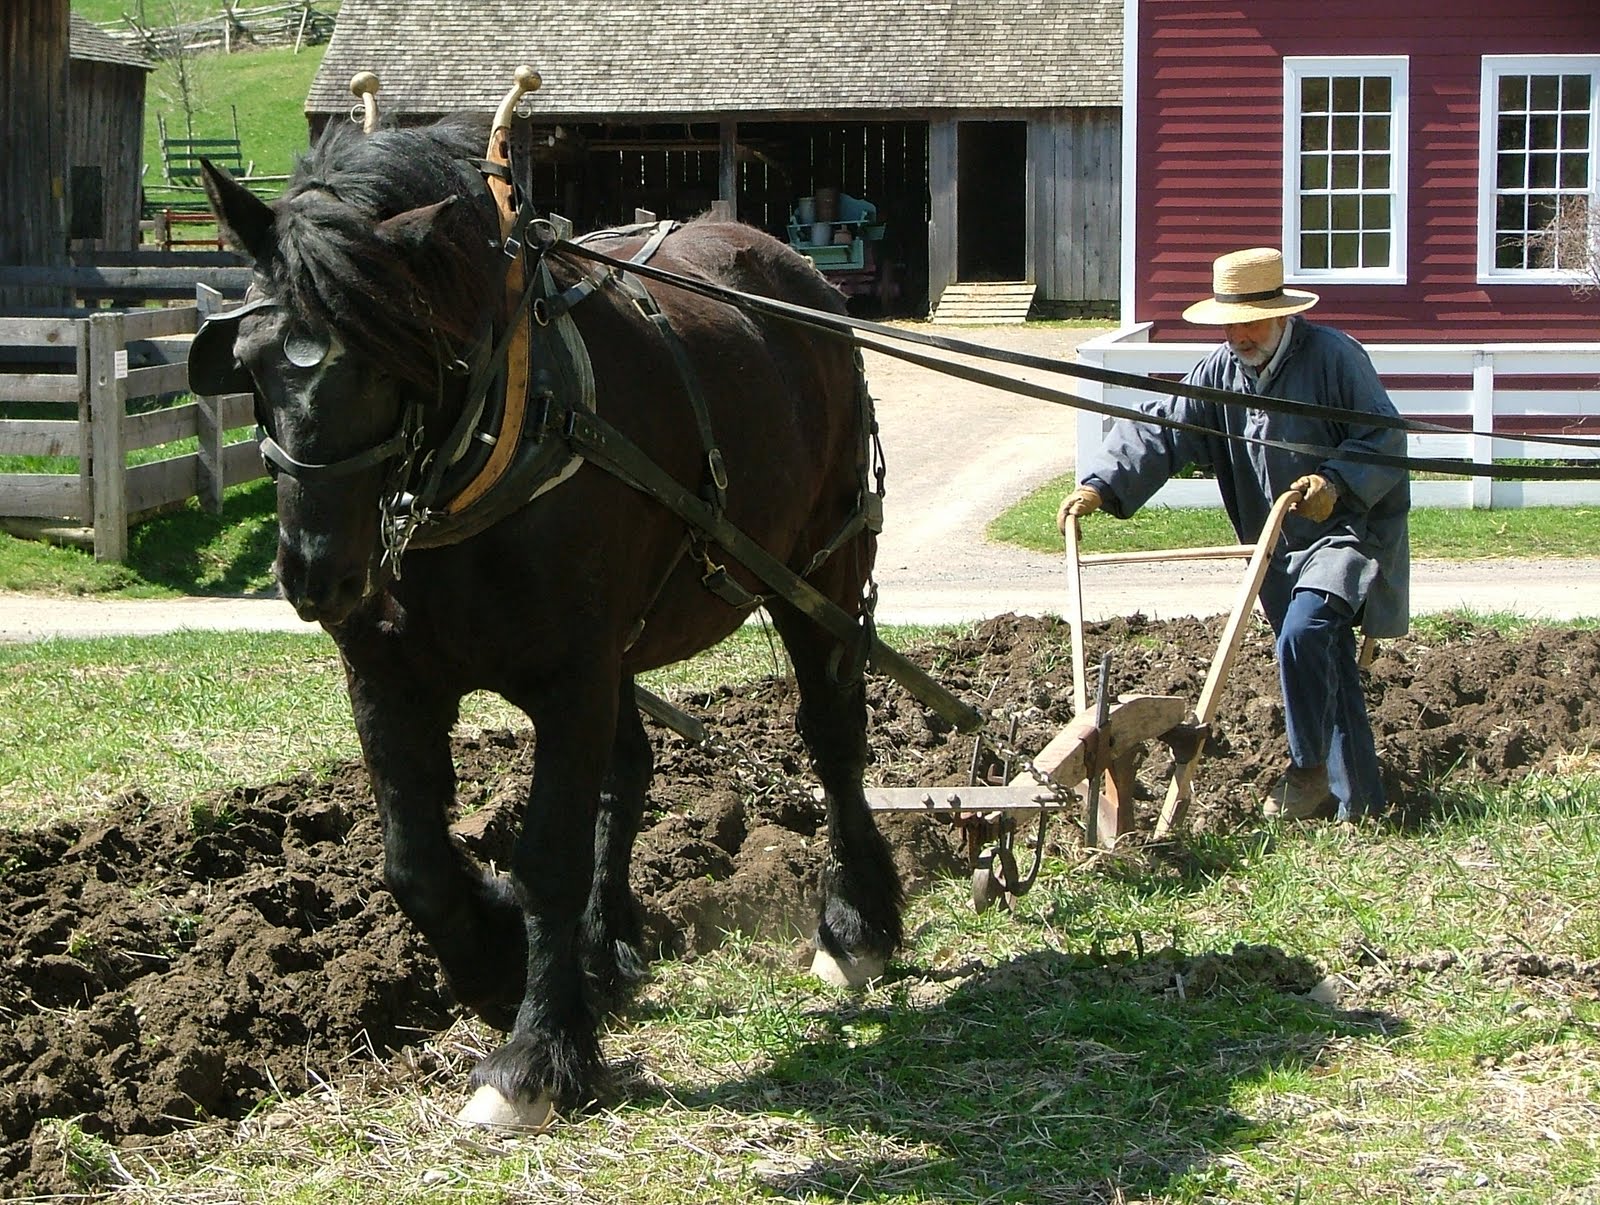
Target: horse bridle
402, 509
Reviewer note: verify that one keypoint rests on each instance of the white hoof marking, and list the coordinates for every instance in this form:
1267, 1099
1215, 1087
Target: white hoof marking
488, 1108
853, 972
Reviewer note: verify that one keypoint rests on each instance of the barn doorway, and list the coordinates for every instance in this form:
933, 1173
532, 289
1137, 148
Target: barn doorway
598, 175
991, 213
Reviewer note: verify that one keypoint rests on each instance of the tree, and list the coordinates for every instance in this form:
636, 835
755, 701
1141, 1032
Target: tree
1571, 243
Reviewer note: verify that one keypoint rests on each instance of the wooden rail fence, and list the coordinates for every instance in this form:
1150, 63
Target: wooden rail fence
297, 23
66, 385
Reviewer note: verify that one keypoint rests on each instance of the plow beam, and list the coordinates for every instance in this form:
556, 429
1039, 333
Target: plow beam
1080, 749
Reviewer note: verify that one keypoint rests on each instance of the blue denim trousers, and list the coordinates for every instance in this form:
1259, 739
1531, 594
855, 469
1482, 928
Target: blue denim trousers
1323, 706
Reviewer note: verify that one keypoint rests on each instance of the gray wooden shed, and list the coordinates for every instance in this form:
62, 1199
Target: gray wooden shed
72, 102
105, 139
986, 132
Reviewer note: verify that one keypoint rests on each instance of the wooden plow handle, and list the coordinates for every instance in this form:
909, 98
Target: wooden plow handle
1232, 635
1080, 683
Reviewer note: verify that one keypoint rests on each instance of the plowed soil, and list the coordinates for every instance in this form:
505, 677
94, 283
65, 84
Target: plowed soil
165, 965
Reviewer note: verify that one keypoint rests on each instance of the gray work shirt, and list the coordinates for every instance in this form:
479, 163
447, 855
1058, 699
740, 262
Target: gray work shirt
1362, 553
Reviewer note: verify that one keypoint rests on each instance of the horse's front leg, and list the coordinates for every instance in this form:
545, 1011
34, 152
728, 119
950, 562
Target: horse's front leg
472, 921
552, 1058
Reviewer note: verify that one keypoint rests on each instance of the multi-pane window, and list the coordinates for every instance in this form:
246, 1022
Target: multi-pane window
1345, 168
1538, 173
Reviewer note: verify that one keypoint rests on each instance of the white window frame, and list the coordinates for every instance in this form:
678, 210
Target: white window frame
1398, 70
1495, 66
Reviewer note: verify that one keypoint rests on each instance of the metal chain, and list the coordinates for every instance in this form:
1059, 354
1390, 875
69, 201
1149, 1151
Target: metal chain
769, 781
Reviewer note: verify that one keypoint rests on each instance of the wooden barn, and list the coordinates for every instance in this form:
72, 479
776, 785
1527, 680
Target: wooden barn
1429, 170
73, 104
105, 139
1401, 157
983, 134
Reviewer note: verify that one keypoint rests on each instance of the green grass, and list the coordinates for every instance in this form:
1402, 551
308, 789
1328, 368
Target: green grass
266, 87
183, 552
173, 717
1437, 533
1048, 1056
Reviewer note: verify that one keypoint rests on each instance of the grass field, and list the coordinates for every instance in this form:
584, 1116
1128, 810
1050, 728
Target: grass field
1436, 533
266, 88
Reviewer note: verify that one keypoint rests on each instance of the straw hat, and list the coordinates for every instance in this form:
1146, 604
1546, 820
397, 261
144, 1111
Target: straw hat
1247, 286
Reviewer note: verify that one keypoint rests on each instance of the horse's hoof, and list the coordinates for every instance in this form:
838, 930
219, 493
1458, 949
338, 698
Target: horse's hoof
488, 1108
852, 972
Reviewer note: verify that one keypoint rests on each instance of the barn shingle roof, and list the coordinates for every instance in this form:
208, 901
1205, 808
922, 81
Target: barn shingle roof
644, 58
86, 41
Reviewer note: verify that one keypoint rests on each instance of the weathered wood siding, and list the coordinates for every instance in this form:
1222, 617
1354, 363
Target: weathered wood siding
1209, 173
1075, 199
33, 150
941, 207
106, 130
1073, 205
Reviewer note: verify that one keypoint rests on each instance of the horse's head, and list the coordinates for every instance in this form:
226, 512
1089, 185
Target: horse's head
371, 285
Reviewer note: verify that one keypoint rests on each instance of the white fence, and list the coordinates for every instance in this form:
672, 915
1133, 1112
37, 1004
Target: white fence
1487, 401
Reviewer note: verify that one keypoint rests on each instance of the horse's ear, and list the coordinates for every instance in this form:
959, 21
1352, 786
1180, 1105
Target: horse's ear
411, 230
243, 219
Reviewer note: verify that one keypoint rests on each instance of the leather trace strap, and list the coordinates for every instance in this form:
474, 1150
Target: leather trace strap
604, 446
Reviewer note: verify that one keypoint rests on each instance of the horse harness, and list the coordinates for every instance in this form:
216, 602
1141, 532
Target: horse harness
529, 421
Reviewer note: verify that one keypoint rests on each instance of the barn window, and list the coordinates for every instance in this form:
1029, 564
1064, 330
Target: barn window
1537, 221
1344, 188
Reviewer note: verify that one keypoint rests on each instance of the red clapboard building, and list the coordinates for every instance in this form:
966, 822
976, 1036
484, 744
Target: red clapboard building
1431, 169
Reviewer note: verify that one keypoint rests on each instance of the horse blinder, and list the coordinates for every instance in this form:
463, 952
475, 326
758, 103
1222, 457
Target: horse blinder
213, 368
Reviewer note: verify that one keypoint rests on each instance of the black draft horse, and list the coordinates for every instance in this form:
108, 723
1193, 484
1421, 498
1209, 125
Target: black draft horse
376, 278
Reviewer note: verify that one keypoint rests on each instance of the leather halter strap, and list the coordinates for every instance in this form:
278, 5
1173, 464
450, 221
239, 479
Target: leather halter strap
277, 459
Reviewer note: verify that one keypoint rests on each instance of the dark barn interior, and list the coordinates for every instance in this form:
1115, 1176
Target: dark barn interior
598, 175
991, 200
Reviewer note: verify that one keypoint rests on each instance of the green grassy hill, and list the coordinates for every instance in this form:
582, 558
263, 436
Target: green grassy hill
266, 88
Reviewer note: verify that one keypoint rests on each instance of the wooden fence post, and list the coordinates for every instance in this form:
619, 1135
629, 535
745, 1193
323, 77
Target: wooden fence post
208, 421
1481, 489
108, 373
85, 511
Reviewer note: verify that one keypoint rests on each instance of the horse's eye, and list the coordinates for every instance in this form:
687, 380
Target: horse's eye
303, 349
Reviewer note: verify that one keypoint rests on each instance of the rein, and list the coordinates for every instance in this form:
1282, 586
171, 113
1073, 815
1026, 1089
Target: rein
848, 327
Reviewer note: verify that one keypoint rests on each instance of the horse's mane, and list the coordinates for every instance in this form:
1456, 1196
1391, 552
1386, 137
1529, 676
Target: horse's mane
388, 302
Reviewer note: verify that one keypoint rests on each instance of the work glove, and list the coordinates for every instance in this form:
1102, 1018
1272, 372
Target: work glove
1084, 500
1319, 496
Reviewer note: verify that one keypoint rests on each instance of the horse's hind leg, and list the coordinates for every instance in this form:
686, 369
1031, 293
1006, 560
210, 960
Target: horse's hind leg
612, 934
859, 925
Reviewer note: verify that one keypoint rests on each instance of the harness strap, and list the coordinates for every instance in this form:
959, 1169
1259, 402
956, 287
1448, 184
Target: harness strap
717, 471
604, 446
868, 514
301, 470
